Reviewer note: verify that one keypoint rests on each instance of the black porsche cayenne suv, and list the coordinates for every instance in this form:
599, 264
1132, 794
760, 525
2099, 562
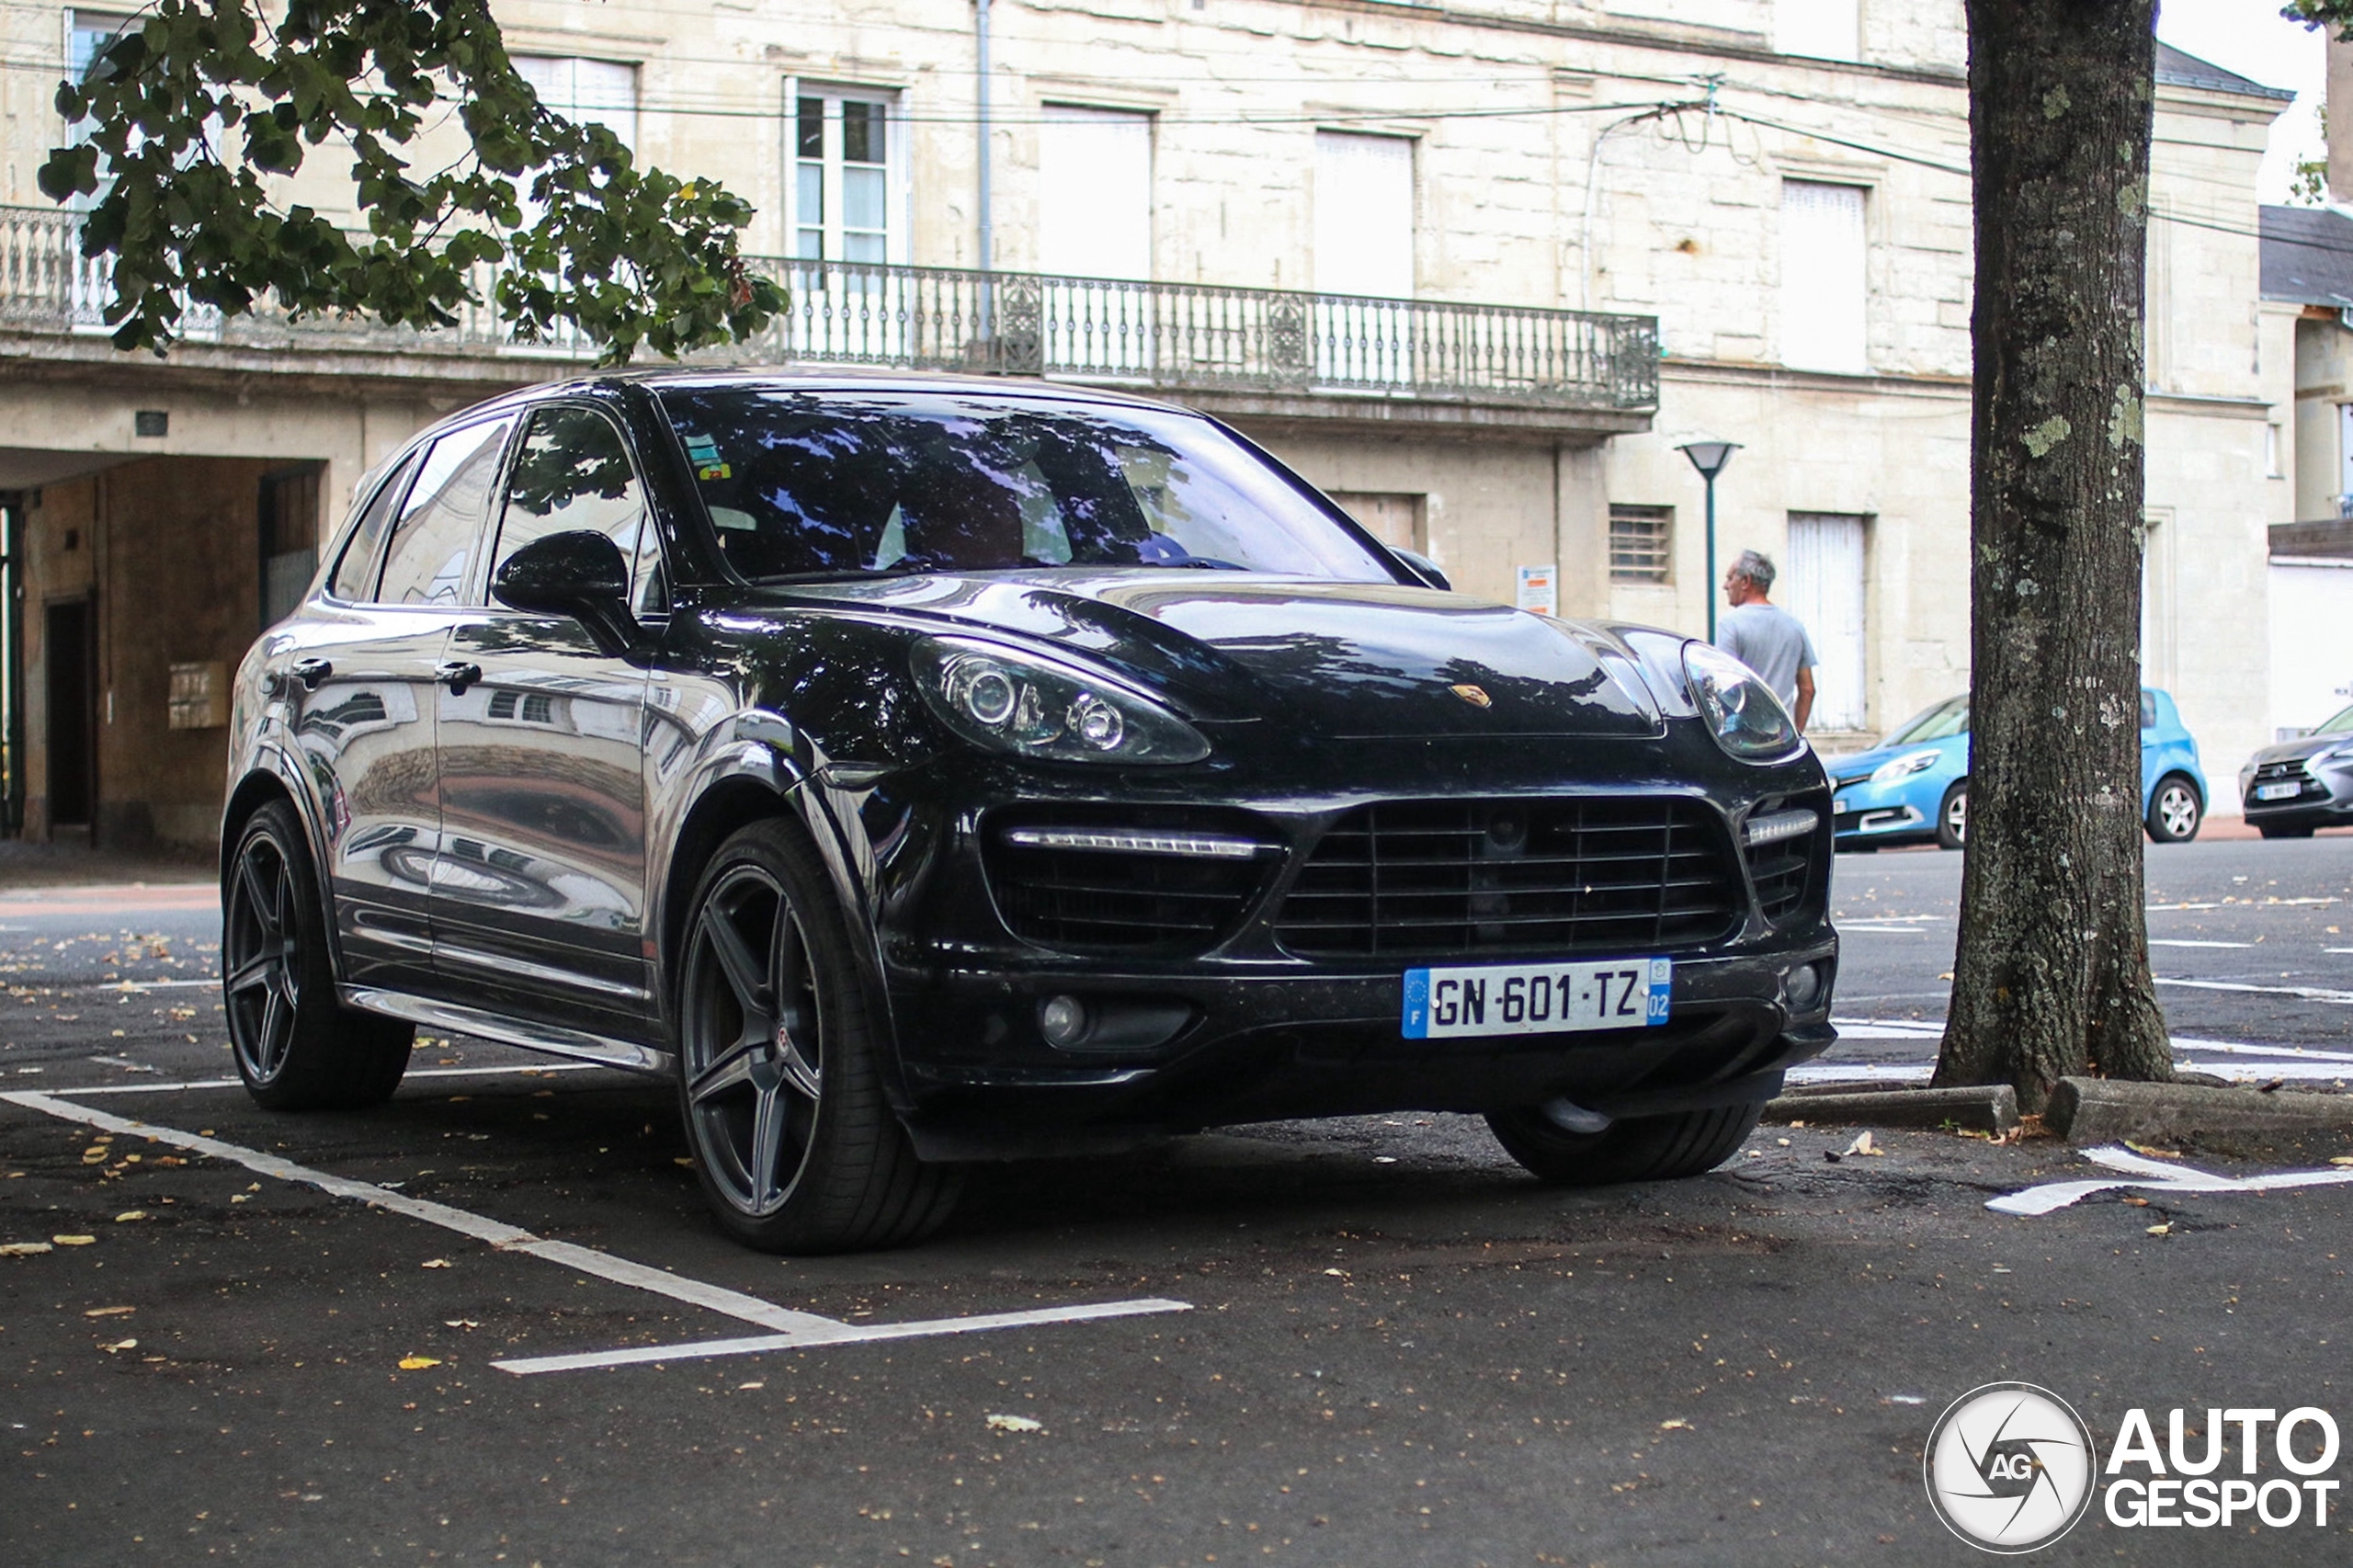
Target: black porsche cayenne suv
922, 772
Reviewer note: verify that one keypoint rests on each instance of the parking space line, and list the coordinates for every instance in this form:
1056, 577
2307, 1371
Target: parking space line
842, 1334
2309, 993
2185, 942
790, 1329
2152, 1175
409, 1077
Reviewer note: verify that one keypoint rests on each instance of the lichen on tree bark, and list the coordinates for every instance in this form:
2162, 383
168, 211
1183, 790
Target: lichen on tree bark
2052, 976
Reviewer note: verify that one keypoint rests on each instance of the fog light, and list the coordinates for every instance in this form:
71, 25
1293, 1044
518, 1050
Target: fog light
1063, 1020
1803, 987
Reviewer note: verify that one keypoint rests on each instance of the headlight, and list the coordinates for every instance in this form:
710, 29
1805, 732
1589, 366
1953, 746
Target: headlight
1909, 765
1746, 720
1018, 702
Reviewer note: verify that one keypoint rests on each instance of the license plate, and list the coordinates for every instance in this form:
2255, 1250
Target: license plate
2276, 791
1537, 998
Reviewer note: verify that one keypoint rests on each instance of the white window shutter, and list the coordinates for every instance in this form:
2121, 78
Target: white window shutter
1364, 215
1094, 193
1825, 288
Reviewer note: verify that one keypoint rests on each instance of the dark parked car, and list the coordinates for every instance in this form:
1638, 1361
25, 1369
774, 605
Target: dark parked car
2292, 787
921, 771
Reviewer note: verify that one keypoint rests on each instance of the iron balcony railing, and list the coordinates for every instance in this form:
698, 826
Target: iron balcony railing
1153, 334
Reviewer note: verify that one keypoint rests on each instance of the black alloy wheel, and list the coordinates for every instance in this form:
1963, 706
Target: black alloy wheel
2175, 811
1547, 1141
296, 1046
1952, 816
794, 1145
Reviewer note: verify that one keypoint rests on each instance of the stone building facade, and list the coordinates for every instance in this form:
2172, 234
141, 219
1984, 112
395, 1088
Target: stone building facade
1477, 270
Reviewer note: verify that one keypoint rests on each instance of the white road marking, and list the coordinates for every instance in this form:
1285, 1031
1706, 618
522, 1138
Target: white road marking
2242, 1048
2309, 993
791, 1328
1861, 1072
2154, 1176
2184, 942
140, 984
1858, 928
844, 1333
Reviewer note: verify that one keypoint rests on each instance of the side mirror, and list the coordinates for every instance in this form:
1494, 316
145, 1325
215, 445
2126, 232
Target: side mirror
580, 573
1424, 567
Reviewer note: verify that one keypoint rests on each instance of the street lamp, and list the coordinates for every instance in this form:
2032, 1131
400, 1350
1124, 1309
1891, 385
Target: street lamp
1709, 458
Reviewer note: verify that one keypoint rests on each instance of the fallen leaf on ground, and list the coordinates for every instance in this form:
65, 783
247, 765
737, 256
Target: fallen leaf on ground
129, 1214
24, 1249
2341, 1159
75, 1241
2136, 1202
119, 1345
1863, 1145
418, 1363
2164, 1230
108, 1312
459, 1323
435, 1263
2153, 1152
1015, 1423
1677, 1425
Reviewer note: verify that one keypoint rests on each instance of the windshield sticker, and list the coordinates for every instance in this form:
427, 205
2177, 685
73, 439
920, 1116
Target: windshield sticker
703, 452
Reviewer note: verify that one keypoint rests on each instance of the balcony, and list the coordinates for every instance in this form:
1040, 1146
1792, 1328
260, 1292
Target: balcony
1264, 352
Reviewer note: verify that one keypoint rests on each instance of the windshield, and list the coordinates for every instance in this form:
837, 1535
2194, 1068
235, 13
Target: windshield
2342, 724
1945, 719
799, 484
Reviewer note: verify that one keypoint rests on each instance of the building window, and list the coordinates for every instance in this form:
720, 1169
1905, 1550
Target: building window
586, 92
842, 146
1823, 283
290, 540
1824, 584
1094, 193
1826, 30
2274, 447
1641, 544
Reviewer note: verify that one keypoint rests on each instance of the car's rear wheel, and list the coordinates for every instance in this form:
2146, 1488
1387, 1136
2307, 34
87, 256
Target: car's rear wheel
795, 1147
2175, 811
2284, 830
1546, 1140
296, 1046
1952, 816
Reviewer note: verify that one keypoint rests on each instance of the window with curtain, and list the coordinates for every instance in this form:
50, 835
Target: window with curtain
843, 145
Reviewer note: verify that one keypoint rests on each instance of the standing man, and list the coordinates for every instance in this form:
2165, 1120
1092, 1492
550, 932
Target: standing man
1765, 637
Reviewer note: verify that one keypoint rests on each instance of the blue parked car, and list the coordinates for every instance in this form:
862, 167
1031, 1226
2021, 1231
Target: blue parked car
1914, 785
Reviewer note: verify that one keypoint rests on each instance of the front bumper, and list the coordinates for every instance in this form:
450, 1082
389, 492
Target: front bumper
2323, 800
1863, 810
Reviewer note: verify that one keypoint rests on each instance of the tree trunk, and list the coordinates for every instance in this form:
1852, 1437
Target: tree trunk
2053, 972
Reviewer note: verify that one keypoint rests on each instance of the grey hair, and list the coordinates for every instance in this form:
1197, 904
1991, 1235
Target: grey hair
1758, 568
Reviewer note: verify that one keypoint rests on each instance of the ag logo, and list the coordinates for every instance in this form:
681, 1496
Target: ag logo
2010, 1468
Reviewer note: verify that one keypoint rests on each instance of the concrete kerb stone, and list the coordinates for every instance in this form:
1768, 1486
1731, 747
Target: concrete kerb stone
1980, 1108
2108, 1111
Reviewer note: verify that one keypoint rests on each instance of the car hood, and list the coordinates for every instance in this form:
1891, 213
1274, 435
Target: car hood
1347, 659
2298, 750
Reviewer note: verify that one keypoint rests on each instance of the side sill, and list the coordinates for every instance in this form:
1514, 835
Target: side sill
577, 1044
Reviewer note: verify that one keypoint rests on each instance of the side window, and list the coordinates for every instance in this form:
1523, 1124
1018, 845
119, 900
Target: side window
434, 541
2148, 712
355, 577
574, 472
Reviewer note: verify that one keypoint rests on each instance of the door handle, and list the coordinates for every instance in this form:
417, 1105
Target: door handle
310, 672
458, 675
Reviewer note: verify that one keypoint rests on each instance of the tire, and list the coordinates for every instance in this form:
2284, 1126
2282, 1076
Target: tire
1952, 816
296, 1046
1645, 1148
795, 1147
2175, 811
2283, 830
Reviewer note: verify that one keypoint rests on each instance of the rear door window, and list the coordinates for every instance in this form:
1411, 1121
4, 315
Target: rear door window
441, 520
355, 575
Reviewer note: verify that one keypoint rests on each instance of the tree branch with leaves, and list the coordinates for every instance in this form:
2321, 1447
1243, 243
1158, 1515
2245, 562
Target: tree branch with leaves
190, 115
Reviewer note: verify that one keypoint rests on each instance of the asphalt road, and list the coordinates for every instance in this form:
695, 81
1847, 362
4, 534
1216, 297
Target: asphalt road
1393, 1348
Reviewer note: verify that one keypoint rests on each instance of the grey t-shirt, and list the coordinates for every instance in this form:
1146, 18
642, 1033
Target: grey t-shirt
1770, 641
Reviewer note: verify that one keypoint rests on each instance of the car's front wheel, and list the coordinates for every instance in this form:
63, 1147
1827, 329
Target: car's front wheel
1952, 816
296, 1046
2175, 811
794, 1144
1565, 1146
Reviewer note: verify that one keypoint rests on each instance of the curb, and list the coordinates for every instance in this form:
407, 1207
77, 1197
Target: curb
2103, 1110
1981, 1109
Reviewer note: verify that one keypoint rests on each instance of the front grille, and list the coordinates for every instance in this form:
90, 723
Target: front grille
1434, 878
2295, 773
1093, 900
